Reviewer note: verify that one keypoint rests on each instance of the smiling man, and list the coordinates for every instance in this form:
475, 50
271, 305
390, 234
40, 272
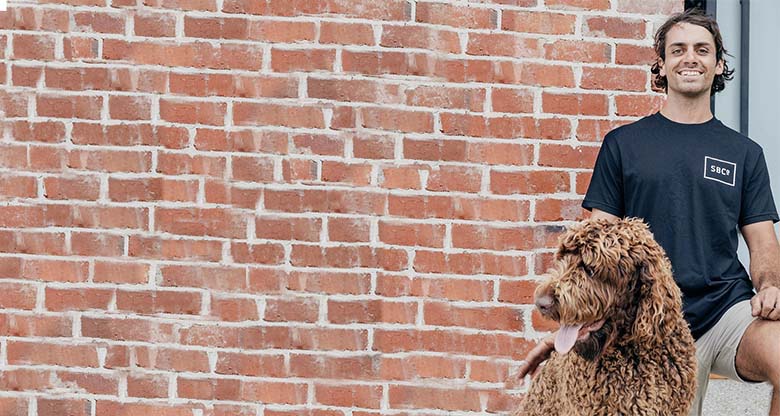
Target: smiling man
695, 182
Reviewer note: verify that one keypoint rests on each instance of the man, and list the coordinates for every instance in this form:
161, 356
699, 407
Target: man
694, 181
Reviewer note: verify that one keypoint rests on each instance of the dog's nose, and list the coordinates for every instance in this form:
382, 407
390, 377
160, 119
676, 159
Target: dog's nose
544, 303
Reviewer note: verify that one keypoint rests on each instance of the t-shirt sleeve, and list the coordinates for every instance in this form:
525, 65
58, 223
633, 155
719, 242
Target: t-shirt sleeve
605, 191
757, 201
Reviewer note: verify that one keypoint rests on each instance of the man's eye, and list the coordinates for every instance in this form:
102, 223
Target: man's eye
676, 51
704, 51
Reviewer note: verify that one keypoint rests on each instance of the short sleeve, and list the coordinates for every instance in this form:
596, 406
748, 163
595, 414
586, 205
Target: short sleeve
605, 191
757, 201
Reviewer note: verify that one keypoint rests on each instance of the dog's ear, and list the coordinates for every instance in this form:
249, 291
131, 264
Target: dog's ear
659, 296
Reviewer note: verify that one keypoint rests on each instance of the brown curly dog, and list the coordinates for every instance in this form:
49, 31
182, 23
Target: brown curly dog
623, 347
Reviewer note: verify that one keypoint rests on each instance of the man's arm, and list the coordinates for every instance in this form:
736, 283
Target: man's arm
597, 213
764, 268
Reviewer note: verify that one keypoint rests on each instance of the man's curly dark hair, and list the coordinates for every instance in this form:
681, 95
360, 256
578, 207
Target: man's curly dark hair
694, 16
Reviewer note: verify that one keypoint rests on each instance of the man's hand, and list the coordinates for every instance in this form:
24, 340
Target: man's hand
535, 357
766, 303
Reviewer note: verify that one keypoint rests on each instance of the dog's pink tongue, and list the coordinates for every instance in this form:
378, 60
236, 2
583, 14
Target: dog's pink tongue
567, 336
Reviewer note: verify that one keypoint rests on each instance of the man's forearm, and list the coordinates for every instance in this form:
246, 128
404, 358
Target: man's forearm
765, 267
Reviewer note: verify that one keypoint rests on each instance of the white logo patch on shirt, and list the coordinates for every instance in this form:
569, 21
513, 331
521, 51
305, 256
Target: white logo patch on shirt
720, 170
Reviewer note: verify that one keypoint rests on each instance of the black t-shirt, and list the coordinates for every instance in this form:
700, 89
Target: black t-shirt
694, 184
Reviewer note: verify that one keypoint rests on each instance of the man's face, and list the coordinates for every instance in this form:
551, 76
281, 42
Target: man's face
690, 64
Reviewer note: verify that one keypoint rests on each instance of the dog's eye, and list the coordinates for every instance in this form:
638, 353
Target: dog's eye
588, 270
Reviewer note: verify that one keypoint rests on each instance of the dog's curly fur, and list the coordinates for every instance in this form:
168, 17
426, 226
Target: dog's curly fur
642, 360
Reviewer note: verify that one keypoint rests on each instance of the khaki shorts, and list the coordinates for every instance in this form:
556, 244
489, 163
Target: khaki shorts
716, 350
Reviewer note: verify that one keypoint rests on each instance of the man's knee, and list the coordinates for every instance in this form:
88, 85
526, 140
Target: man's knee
758, 355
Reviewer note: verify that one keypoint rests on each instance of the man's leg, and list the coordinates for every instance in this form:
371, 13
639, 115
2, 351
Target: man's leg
758, 357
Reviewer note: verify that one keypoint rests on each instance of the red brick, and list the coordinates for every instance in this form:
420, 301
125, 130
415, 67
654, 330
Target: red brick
503, 44
87, 107
13, 406
193, 112
508, 100
262, 253
307, 60
288, 228
401, 177
298, 309
170, 359
26, 76
371, 311
486, 318
536, 22
70, 407
430, 206
317, 144
373, 146
665, 7
224, 279
331, 201
185, 54
578, 4
346, 33
46, 131
129, 107
317, 282
446, 97
411, 234
466, 264
357, 174
355, 90
172, 249
349, 256
614, 27
455, 178
234, 309
249, 114
99, 22
559, 210
129, 135
37, 19
152, 189
118, 272
131, 409
594, 130
204, 5
638, 105
421, 37
506, 127
185, 164
79, 48
153, 24
567, 156
397, 120
16, 295
634, 55
266, 365
29, 352
252, 141
200, 222
78, 299
529, 182
55, 270
578, 51
456, 15
128, 329
37, 47
573, 104
159, 301
253, 169
147, 385
623, 79
348, 229
351, 395
97, 244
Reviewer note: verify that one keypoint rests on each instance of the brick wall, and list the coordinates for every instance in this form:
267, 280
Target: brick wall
319, 207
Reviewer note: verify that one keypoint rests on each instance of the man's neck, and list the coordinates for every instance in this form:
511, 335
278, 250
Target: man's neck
687, 110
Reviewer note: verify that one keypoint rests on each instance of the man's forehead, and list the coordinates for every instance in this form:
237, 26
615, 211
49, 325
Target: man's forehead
688, 34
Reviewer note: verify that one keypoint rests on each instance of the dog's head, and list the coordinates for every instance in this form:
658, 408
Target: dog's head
611, 282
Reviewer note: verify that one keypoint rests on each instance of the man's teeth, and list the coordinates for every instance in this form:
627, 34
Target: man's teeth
689, 73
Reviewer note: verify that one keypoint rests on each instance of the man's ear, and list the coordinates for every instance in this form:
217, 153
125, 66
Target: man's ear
662, 69
719, 67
